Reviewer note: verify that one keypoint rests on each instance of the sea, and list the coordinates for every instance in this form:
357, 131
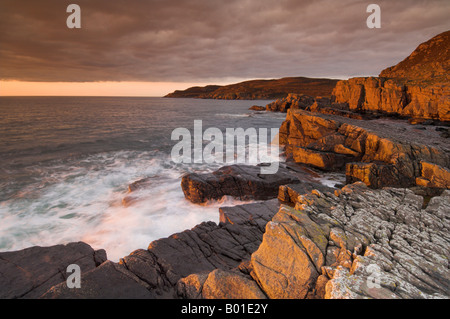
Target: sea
66, 164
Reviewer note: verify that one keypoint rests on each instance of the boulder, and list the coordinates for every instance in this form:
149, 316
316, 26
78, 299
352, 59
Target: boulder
292, 100
146, 273
287, 263
239, 181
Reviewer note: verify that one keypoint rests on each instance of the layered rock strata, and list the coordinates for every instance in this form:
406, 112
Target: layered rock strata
351, 243
416, 88
394, 97
356, 243
378, 152
369, 98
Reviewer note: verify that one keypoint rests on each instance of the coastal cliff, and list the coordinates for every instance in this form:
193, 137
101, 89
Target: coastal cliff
416, 100
416, 88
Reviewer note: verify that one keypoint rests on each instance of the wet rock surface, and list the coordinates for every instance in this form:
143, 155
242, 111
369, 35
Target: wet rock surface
206, 247
239, 181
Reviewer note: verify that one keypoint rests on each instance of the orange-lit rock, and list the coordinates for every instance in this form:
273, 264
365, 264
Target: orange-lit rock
378, 152
433, 176
220, 284
417, 87
358, 243
390, 96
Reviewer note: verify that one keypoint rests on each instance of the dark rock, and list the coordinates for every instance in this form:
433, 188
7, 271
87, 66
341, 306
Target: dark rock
153, 273
134, 187
30, 272
239, 181
261, 89
139, 184
108, 281
206, 247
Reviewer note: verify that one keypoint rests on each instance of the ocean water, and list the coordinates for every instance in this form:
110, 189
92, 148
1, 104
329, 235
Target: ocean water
66, 163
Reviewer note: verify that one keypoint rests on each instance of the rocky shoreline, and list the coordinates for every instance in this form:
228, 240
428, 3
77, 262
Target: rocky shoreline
385, 234
310, 241
353, 242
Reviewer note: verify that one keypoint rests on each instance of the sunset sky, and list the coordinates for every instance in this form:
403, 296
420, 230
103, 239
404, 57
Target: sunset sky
150, 48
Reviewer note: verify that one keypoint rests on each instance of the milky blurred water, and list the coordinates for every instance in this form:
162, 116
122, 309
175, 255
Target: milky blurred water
66, 163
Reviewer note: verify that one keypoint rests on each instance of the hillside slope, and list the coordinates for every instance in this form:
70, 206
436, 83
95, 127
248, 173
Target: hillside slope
430, 60
260, 89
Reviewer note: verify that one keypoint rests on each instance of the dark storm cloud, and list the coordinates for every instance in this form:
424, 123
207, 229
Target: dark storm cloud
201, 40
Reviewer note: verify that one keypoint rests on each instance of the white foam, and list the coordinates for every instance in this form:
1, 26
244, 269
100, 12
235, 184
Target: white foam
231, 115
330, 179
83, 202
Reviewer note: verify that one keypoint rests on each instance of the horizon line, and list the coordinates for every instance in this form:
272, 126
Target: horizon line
16, 88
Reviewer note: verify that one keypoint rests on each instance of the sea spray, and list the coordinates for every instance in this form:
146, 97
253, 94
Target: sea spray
63, 177
83, 201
